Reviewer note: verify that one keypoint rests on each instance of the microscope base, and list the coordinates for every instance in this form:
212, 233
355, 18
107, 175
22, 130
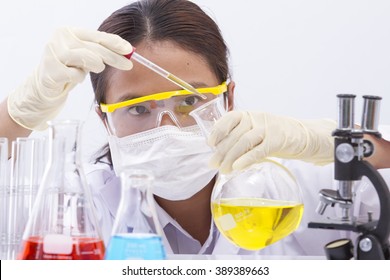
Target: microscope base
376, 250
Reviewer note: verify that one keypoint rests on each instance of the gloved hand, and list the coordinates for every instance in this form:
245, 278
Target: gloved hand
244, 138
68, 57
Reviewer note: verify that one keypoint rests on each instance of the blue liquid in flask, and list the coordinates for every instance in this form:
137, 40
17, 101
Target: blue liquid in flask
133, 246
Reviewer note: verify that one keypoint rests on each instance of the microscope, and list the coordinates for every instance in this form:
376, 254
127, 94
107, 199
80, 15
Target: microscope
350, 151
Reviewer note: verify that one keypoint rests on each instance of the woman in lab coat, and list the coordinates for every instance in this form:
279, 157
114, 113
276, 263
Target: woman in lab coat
178, 36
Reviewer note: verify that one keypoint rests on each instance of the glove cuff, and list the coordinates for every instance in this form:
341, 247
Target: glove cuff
319, 147
30, 109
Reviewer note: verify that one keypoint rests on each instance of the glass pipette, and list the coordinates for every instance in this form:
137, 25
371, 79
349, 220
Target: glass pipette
164, 73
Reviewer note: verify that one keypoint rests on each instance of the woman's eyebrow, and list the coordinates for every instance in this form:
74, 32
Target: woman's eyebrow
198, 84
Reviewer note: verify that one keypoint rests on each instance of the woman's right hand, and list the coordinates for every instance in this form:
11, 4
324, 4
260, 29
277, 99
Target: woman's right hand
68, 57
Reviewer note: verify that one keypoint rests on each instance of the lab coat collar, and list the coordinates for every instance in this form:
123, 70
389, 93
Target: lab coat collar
166, 221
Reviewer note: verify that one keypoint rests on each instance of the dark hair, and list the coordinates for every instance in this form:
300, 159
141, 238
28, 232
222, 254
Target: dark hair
179, 21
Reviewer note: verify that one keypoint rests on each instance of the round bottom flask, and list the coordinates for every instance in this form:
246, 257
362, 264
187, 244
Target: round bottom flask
255, 207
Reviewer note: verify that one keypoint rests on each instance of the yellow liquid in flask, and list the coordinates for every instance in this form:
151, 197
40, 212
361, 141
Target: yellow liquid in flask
254, 223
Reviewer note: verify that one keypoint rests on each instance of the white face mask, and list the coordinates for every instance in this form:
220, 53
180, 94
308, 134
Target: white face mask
178, 158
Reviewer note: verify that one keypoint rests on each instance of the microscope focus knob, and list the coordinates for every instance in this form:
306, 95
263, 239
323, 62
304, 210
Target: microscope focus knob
365, 244
345, 152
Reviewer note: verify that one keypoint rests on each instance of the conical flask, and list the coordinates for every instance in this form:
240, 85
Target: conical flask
136, 232
257, 206
63, 224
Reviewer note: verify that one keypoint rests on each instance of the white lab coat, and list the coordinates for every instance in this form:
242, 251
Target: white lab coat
303, 242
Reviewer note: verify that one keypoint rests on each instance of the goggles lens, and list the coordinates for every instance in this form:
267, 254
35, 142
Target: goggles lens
147, 112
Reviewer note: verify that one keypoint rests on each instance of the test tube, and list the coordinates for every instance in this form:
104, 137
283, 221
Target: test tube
370, 117
27, 160
4, 196
346, 111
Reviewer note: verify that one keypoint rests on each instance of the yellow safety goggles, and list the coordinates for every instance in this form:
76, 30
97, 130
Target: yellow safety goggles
109, 108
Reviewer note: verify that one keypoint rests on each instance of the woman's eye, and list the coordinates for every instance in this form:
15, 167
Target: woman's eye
190, 100
186, 105
137, 110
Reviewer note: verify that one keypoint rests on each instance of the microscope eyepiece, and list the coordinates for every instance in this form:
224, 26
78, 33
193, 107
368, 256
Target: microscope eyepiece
370, 117
346, 111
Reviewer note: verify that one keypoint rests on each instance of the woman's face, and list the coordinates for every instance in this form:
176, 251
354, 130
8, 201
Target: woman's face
141, 81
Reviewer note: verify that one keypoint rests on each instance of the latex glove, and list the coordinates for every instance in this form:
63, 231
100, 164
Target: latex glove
244, 138
68, 57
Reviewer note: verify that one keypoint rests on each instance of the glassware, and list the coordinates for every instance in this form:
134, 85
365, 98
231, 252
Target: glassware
27, 164
4, 196
136, 232
63, 223
255, 207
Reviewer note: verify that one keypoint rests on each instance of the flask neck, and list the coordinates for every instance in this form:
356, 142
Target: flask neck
64, 137
136, 179
135, 188
137, 208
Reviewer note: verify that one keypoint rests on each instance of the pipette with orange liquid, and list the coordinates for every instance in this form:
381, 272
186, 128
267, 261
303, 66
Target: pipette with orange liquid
162, 72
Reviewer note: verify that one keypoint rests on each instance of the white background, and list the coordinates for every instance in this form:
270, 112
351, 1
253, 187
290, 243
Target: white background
288, 57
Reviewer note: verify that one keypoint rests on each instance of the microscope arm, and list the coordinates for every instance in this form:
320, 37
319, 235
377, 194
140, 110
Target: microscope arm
382, 229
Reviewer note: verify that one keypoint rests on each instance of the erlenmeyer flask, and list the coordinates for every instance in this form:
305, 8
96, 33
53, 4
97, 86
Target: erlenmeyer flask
136, 232
255, 207
63, 224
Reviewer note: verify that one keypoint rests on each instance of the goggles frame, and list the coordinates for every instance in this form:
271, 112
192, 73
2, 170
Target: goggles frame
109, 108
